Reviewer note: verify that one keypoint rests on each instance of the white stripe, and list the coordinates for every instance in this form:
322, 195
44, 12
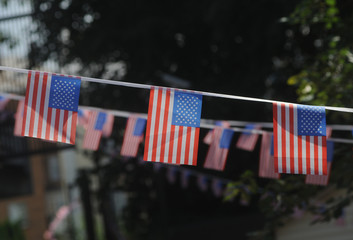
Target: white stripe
295, 133
175, 146
304, 158
36, 113
288, 170
61, 123
279, 138
169, 125
29, 106
153, 122
312, 161
52, 124
160, 127
68, 129
46, 103
192, 141
183, 145
320, 155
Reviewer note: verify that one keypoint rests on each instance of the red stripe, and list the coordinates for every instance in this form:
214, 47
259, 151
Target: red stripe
41, 106
64, 130
196, 146
300, 155
171, 144
275, 136
148, 129
187, 147
316, 155
307, 156
29, 76
324, 156
224, 158
180, 140
291, 137
165, 124
47, 131
156, 125
34, 103
73, 127
283, 124
56, 128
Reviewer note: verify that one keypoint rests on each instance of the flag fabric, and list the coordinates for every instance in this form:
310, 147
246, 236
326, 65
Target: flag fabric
173, 122
247, 140
217, 187
218, 151
171, 174
266, 163
94, 130
3, 102
299, 139
108, 126
51, 106
184, 178
82, 117
323, 179
328, 132
202, 182
19, 118
209, 136
133, 136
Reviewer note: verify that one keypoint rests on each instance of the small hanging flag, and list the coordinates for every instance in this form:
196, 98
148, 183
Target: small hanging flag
94, 130
266, 163
3, 102
108, 126
299, 139
202, 182
323, 179
247, 140
173, 122
83, 117
218, 151
133, 136
19, 118
217, 187
51, 106
184, 179
209, 136
171, 174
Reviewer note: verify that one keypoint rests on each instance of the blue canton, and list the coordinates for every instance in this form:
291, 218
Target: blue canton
187, 109
226, 138
311, 121
249, 127
64, 93
139, 126
101, 118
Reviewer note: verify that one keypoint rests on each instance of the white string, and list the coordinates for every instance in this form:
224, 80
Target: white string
147, 86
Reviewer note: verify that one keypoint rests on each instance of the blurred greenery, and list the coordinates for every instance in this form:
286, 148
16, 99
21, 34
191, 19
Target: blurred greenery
11, 231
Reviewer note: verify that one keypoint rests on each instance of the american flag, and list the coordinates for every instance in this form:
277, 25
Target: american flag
299, 139
209, 136
94, 130
218, 151
323, 179
172, 134
19, 118
133, 136
3, 102
83, 116
266, 165
202, 182
217, 187
51, 104
108, 125
247, 140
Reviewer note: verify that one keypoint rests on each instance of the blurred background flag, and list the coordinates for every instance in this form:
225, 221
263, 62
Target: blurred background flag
133, 136
323, 179
19, 118
217, 187
299, 139
51, 106
94, 130
209, 136
247, 140
266, 163
202, 182
108, 126
218, 151
83, 116
173, 122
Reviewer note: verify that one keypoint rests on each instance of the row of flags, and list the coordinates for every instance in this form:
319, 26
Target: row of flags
172, 128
